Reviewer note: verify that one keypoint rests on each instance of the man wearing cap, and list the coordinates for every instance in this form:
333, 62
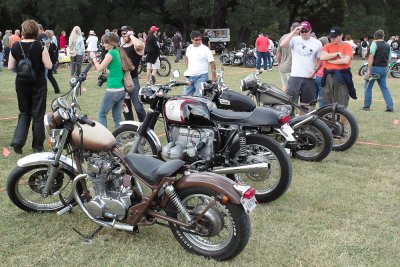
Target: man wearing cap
337, 82
197, 59
91, 42
305, 51
134, 49
152, 51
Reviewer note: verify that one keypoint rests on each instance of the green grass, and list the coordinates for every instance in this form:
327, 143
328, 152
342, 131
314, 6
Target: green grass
343, 211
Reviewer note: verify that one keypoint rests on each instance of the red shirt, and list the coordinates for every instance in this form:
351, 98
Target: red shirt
343, 47
262, 44
63, 41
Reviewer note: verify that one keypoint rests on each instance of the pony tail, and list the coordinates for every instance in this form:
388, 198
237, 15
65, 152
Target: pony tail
125, 60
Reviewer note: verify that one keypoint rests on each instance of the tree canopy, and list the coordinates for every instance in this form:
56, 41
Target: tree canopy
244, 17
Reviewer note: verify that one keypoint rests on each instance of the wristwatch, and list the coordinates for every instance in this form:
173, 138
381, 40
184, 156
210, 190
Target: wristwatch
337, 54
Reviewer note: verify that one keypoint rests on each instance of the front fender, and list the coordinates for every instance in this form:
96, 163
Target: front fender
45, 158
330, 107
150, 133
213, 181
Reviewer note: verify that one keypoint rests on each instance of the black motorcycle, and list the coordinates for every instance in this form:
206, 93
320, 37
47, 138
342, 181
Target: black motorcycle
212, 139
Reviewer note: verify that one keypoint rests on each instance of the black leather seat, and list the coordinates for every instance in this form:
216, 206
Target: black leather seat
151, 169
259, 117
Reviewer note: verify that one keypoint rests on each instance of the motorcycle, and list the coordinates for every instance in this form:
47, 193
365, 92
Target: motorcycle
207, 213
341, 122
165, 66
211, 139
312, 138
244, 56
393, 68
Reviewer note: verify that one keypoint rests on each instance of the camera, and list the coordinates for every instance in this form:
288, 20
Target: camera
101, 79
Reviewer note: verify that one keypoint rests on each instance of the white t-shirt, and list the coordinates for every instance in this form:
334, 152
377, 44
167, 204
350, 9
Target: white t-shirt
199, 58
92, 43
304, 55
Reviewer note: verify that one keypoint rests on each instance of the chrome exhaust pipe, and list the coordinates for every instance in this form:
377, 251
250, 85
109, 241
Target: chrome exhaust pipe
297, 125
258, 167
115, 225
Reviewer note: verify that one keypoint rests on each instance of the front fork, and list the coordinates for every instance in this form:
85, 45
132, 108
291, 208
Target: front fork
149, 122
51, 174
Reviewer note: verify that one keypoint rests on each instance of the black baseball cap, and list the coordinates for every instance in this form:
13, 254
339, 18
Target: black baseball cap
124, 28
335, 32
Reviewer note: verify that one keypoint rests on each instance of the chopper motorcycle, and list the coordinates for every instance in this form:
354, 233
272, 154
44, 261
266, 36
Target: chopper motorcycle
341, 122
212, 139
207, 213
312, 138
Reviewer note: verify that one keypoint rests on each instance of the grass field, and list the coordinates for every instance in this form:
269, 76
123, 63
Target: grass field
343, 211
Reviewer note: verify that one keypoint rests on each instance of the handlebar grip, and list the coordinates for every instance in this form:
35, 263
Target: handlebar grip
181, 83
85, 120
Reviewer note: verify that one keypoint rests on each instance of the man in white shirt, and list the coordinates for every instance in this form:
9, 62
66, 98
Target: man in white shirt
91, 42
197, 58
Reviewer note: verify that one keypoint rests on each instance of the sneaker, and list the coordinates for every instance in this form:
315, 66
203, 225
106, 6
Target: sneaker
389, 110
270, 69
366, 108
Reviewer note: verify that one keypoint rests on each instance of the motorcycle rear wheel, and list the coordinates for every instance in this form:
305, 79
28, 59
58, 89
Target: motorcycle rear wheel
363, 70
165, 67
395, 71
25, 186
249, 62
271, 183
229, 225
316, 138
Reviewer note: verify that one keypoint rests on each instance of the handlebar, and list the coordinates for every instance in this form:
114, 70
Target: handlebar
85, 120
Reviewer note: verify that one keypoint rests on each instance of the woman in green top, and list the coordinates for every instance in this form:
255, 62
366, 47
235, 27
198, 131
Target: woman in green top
116, 61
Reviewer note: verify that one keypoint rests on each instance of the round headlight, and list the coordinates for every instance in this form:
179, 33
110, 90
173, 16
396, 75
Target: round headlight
63, 113
59, 102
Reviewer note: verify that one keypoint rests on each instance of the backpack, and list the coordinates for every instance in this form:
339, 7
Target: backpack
364, 44
25, 70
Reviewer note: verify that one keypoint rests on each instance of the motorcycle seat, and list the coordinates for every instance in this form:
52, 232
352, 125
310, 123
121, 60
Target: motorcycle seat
259, 117
152, 170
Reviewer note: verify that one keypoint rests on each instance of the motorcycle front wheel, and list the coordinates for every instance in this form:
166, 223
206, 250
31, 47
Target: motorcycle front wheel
125, 135
223, 231
25, 186
363, 70
272, 182
250, 62
395, 71
314, 141
344, 127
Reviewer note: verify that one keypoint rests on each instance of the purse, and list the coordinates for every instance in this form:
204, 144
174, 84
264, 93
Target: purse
128, 82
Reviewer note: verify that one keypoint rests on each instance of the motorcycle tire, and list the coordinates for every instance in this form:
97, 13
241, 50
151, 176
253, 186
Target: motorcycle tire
363, 70
125, 134
346, 137
229, 225
275, 180
25, 185
250, 62
225, 60
141, 67
395, 71
314, 141
165, 68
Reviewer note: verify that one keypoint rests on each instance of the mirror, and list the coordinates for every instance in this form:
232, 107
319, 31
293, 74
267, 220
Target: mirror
176, 74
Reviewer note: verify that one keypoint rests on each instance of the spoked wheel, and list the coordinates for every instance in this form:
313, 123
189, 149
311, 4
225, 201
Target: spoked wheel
165, 67
125, 136
272, 182
314, 141
25, 186
221, 234
363, 70
225, 60
344, 127
249, 62
395, 71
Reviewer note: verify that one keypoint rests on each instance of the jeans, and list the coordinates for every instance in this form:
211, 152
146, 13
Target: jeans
1, 60
269, 59
178, 54
264, 57
194, 87
6, 55
76, 65
134, 95
381, 72
319, 92
111, 100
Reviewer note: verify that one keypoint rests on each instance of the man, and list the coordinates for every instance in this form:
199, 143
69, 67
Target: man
14, 38
92, 41
197, 58
134, 49
337, 82
262, 44
377, 62
152, 51
364, 47
305, 51
284, 59
6, 48
177, 41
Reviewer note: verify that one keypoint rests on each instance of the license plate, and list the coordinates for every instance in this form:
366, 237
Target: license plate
287, 129
249, 204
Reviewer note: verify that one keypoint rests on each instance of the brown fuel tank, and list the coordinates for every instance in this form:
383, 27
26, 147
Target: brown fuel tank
97, 138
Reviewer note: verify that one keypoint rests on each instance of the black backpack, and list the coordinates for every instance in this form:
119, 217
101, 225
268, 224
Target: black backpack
25, 70
364, 44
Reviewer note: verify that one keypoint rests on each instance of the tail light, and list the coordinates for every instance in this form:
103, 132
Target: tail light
249, 193
285, 119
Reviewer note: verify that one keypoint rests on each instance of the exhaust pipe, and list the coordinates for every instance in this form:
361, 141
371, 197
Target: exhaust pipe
115, 225
258, 167
297, 125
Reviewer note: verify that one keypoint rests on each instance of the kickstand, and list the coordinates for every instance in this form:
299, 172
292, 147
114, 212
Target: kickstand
88, 238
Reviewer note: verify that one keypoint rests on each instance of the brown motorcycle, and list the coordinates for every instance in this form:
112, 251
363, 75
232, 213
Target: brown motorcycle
207, 213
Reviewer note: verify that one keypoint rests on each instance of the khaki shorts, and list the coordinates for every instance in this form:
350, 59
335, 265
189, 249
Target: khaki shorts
333, 91
285, 78
155, 66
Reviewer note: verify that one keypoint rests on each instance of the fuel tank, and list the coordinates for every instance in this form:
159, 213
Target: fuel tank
187, 110
229, 99
97, 138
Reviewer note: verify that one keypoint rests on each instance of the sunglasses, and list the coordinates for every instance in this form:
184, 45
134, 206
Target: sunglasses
304, 31
197, 40
123, 33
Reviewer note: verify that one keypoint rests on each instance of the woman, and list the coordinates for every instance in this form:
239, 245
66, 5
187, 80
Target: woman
53, 52
31, 95
63, 42
116, 61
76, 50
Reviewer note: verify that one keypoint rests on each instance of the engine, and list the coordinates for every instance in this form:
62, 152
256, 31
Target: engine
112, 187
190, 144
